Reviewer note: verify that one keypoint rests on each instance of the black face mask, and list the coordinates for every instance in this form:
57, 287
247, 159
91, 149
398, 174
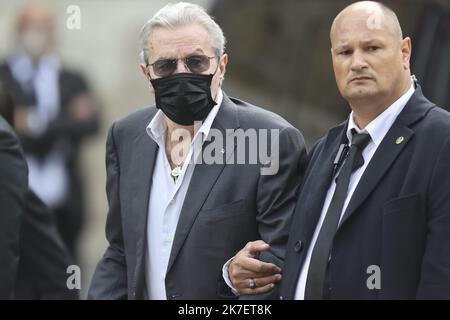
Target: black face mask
184, 97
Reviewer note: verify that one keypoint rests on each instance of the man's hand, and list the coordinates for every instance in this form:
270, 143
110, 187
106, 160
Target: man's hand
82, 107
21, 120
246, 265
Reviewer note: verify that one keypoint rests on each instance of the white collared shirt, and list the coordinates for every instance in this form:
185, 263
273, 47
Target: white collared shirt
166, 200
377, 129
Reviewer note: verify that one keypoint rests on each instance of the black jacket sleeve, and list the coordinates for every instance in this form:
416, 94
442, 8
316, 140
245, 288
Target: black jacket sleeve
13, 186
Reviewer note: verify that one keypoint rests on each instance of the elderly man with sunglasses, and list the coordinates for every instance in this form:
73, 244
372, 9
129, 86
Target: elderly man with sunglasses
176, 217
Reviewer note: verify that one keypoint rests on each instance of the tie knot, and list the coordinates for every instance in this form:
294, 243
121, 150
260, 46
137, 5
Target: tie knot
360, 140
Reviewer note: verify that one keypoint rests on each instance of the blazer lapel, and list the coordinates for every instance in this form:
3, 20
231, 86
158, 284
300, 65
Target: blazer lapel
389, 150
310, 202
203, 179
320, 181
144, 157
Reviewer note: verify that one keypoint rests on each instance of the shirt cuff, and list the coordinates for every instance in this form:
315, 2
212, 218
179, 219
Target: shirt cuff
226, 277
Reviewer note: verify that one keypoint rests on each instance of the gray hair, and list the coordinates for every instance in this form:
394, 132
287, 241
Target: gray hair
178, 15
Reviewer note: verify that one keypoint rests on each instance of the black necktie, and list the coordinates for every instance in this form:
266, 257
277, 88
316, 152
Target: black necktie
315, 280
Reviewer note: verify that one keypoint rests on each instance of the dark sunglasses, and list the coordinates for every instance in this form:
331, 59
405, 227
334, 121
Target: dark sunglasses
196, 64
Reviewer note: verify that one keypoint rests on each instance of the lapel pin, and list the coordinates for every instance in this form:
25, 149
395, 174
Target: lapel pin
399, 140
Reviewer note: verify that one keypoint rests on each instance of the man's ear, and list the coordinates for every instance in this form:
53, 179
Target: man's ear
406, 52
144, 70
223, 64
146, 74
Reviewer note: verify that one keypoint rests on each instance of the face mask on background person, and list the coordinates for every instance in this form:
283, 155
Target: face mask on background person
35, 42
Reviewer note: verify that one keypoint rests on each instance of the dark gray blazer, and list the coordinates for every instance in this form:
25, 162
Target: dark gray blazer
225, 207
13, 187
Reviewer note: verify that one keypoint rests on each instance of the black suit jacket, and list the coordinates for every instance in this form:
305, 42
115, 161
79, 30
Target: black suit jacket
13, 186
225, 207
397, 219
44, 258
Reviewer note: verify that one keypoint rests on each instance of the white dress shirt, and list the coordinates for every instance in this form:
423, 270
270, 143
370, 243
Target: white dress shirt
377, 129
166, 200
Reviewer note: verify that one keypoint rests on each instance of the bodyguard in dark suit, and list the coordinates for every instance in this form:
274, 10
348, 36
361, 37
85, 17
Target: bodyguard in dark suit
373, 215
174, 222
13, 186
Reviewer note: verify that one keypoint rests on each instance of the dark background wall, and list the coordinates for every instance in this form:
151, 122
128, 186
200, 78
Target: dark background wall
280, 55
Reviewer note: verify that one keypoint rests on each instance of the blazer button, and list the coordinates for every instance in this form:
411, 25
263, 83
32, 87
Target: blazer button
281, 298
298, 246
173, 296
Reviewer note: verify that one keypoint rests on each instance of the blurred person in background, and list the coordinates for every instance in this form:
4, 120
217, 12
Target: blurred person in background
55, 111
43, 257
